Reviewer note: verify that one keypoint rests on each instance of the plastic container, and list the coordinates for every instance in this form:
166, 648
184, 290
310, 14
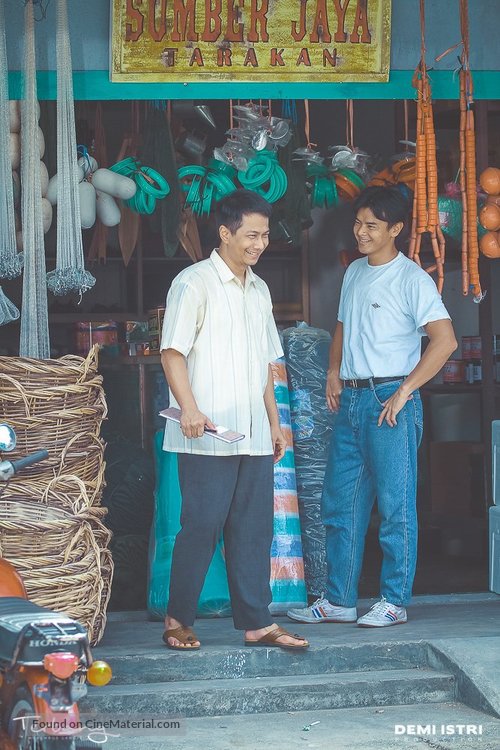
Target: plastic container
136, 331
475, 347
454, 371
104, 333
466, 347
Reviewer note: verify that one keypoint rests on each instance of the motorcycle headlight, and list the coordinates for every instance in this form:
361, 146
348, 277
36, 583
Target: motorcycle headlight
61, 664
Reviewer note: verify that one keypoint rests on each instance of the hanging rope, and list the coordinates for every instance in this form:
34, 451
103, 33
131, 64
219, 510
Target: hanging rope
70, 274
98, 246
307, 125
34, 319
406, 127
11, 262
349, 123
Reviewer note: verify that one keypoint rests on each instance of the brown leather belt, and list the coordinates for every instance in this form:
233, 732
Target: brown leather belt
370, 382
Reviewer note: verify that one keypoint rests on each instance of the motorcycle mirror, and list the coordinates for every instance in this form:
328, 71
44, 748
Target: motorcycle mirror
7, 438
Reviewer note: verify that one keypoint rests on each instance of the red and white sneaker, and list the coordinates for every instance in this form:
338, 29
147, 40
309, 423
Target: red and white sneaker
382, 614
322, 611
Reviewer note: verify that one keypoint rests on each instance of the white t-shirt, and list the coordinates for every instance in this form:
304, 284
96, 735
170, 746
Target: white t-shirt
383, 310
228, 335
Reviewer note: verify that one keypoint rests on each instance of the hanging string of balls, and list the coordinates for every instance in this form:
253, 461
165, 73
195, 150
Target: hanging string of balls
151, 185
489, 216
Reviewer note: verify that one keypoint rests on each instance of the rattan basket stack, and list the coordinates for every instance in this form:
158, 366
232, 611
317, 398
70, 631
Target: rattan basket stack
50, 515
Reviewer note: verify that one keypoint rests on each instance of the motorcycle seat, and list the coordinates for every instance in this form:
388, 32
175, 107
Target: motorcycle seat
48, 626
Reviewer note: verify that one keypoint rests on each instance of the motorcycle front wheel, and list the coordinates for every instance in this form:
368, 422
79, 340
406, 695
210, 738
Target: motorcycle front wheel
18, 726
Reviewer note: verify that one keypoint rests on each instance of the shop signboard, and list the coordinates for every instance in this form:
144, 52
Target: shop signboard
250, 40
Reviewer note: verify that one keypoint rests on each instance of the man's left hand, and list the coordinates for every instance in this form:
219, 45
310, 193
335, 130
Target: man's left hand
279, 443
392, 407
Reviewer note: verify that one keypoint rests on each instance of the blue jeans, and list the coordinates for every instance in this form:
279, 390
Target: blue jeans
366, 461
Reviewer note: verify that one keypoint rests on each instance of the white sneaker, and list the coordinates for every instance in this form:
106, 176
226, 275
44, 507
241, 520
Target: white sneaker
322, 611
382, 614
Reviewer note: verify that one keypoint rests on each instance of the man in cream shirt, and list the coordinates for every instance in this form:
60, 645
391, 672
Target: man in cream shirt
218, 340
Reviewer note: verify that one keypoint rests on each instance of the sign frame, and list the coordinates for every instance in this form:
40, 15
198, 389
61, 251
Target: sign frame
328, 47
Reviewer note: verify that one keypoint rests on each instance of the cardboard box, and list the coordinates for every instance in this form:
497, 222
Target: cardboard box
495, 460
495, 549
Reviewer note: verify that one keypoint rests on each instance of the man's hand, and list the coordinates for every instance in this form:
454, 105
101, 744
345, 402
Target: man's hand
279, 443
334, 388
392, 407
193, 423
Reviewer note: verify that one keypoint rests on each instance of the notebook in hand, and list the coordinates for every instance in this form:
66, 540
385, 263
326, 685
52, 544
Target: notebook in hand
220, 433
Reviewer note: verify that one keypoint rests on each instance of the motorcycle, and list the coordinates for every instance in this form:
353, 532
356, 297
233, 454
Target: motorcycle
45, 657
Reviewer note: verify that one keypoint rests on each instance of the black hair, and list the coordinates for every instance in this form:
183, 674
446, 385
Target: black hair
229, 211
386, 203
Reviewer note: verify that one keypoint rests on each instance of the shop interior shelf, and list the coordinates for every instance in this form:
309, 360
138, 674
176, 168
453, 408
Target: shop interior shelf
75, 317
452, 388
110, 362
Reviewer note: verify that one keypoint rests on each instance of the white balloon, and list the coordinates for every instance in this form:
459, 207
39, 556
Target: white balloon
15, 150
47, 215
107, 209
114, 184
41, 142
15, 116
87, 204
52, 187
16, 188
44, 178
88, 163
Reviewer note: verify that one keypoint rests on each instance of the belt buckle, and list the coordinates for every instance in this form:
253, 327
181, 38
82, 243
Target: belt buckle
354, 383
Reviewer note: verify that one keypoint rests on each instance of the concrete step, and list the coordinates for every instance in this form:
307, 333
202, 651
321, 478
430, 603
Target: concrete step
372, 728
165, 665
254, 695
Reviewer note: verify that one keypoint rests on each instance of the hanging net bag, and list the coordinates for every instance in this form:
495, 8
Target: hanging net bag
11, 261
70, 274
8, 310
34, 318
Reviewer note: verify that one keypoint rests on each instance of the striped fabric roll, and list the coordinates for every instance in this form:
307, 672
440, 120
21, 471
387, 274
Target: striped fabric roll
287, 566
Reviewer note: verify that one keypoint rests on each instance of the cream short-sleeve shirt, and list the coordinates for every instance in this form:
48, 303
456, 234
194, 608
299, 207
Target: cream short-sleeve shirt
227, 333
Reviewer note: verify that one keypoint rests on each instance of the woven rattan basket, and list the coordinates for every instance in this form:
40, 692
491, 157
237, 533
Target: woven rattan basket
50, 516
67, 370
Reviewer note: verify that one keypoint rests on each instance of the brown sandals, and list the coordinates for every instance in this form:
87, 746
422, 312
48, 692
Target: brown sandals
182, 634
186, 636
271, 639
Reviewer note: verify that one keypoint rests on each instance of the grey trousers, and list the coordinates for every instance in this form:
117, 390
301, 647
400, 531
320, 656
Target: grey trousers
232, 495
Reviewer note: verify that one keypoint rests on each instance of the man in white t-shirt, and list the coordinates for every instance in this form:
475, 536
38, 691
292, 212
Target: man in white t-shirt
387, 304
218, 340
